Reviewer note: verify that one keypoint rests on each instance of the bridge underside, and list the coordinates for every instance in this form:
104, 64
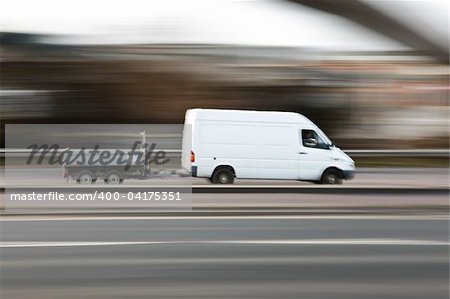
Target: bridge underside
366, 16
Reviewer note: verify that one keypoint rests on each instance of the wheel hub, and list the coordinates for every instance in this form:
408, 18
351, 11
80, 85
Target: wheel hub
113, 179
86, 179
223, 178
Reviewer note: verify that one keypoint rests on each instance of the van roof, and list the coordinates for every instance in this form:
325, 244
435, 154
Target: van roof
246, 115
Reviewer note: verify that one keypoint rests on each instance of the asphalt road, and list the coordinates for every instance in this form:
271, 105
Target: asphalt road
413, 184
384, 256
302, 244
415, 202
365, 177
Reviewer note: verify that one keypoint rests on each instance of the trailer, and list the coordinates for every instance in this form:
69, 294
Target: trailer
113, 166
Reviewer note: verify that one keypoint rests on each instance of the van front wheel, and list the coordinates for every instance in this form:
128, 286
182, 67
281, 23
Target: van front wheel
331, 177
223, 176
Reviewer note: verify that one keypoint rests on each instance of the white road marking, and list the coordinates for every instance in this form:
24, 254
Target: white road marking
70, 244
384, 242
187, 186
342, 242
242, 217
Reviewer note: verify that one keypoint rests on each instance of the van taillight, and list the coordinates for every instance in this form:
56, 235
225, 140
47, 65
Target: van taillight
192, 156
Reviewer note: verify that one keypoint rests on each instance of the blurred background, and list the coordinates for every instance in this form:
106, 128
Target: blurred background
372, 74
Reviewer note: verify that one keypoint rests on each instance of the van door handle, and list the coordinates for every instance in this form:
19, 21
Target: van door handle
303, 153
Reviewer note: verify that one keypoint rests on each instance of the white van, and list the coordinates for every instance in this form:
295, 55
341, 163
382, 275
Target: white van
225, 144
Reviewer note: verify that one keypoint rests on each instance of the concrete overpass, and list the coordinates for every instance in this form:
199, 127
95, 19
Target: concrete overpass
363, 14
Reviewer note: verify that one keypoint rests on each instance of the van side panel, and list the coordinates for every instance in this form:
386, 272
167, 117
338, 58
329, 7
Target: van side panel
254, 150
277, 153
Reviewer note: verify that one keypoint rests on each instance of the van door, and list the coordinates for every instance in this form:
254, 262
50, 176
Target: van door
276, 153
314, 154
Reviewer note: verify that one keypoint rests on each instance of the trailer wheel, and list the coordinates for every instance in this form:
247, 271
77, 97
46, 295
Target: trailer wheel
86, 178
223, 176
113, 178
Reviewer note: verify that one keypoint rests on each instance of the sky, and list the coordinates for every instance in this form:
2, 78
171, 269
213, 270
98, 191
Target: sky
258, 22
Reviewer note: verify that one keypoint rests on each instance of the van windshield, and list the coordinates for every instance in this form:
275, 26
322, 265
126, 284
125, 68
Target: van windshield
324, 137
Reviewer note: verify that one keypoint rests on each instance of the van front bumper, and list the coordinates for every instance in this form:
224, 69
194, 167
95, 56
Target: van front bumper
349, 174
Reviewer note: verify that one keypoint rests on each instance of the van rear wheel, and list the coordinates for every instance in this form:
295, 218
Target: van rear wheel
223, 176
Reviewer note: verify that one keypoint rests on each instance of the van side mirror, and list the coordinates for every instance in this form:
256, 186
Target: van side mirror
311, 142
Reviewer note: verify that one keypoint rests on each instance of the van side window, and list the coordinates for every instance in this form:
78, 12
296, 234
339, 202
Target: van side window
311, 139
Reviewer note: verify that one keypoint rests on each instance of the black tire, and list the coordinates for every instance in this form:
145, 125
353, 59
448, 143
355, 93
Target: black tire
223, 176
331, 177
86, 178
113, 178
